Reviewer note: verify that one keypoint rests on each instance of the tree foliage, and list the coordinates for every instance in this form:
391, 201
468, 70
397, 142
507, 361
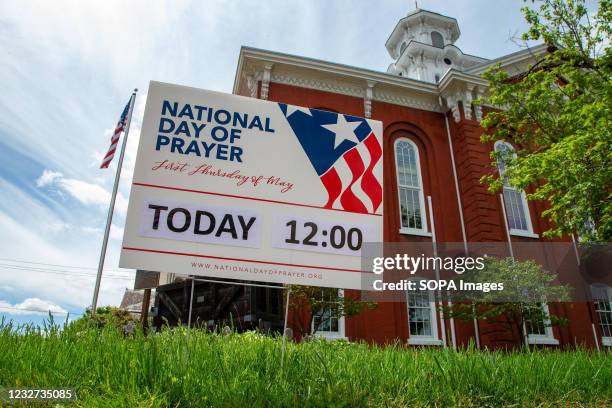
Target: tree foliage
557, 114
527, 286
106, 316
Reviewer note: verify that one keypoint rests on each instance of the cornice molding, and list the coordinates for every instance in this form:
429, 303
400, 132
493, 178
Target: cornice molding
318, 85
406, 101
363, 74
368, 93
255, 66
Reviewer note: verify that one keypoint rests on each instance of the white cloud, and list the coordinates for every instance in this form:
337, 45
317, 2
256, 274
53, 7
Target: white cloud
84, 192
31, 306
48, 177
22, 243
87, 193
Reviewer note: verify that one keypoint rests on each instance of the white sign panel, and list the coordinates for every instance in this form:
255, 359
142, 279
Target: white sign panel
232, 187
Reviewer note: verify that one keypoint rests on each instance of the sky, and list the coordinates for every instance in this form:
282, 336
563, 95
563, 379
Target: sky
67, 70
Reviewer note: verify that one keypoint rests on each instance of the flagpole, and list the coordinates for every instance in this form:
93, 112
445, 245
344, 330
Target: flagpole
109, 218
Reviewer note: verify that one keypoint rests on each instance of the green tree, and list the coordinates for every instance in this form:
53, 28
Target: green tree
316, 304
527, 287
558, 115
105, 316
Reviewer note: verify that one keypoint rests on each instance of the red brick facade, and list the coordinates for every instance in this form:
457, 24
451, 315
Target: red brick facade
482, 210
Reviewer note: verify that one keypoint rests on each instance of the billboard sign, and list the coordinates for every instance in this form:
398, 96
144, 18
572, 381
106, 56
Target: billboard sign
227, 186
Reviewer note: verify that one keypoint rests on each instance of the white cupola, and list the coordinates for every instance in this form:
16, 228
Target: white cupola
422, 45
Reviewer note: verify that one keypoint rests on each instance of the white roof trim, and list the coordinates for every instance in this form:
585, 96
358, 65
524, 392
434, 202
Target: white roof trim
345, 79
509, 59
330, 67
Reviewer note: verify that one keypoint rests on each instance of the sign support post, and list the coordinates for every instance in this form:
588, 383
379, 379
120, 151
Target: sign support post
144, 311
285, 329
190, 306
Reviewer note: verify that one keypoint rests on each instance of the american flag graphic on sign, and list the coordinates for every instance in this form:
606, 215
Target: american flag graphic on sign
344, 151
115, 138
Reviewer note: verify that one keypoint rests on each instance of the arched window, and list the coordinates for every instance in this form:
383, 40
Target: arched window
437, 40
602, 297
515, 201
422, 319
402, 48
410, 188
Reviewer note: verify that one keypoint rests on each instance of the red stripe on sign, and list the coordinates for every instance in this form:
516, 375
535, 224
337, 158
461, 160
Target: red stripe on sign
333, 185
369, 184
245, 198
157, 251
348, 199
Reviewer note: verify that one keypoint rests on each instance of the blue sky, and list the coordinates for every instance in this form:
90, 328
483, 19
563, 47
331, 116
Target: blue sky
67, 70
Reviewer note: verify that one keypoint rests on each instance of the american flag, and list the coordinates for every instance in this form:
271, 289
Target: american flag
115, 138
344, 151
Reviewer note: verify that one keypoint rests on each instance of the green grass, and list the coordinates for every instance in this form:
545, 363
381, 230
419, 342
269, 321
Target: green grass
166, 369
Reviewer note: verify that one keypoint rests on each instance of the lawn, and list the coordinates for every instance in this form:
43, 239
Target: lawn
208, 369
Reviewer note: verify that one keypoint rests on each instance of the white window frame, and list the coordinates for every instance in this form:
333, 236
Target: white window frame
526, 210
419, 339
546, 339
605, 340
332, 335
423, 231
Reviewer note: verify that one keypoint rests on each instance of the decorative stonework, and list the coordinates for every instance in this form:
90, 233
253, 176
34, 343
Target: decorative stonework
478, 112
265, 81
252, 81
465, 93
422, 43
367, 100
355, 91
478, 107
467, 106
405, 101
318, 85
452, 101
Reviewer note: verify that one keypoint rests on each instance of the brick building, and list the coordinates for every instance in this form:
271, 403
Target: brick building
432, 132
